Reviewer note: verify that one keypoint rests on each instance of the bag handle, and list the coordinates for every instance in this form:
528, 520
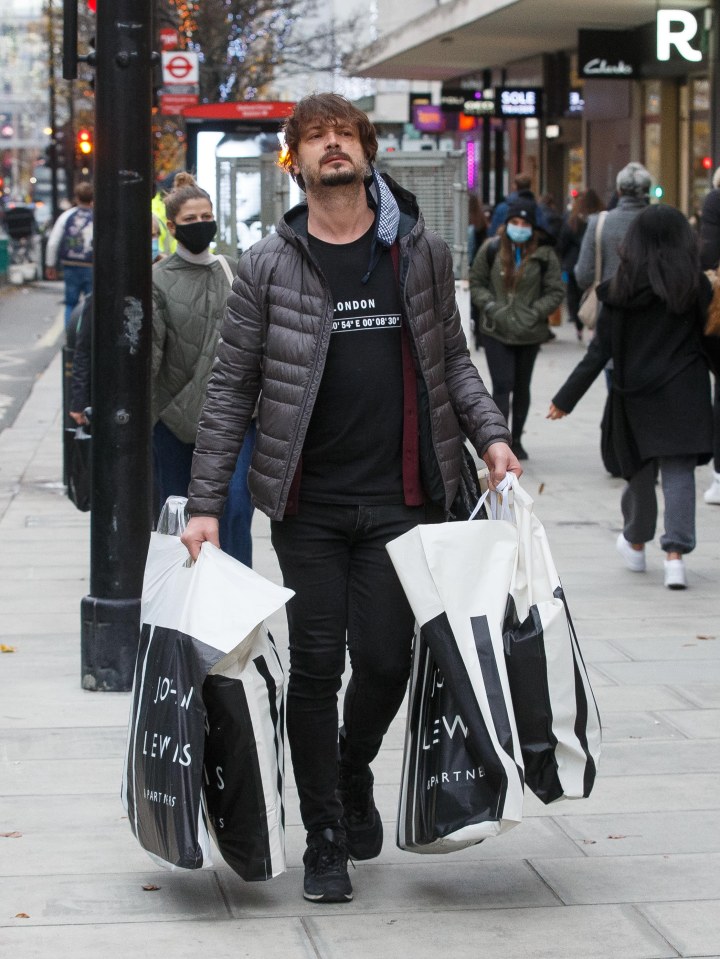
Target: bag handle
598, 250
226, 268
500, 499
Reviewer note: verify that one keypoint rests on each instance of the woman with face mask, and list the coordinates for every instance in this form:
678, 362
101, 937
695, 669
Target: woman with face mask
515, 284
190, 289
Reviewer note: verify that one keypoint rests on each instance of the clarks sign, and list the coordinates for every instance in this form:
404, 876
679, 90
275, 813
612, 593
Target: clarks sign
667, 47
608, 55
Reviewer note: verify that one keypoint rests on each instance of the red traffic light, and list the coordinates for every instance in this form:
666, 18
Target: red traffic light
92, 6
707, 163
84, 142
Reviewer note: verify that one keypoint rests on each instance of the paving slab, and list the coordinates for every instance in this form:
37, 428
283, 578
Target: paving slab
662, 758
596, 932
612, 697
58, 742
695, 723
693, 928
663, 672
620, 726
79, 900
186, 939
618, 879
621, 794
642, 834
417, 887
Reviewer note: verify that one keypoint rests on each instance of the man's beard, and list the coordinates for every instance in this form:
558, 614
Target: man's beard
328, 177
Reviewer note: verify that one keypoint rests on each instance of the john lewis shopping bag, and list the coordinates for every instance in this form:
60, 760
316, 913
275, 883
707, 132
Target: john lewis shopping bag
557, 718
462, 778
204, 620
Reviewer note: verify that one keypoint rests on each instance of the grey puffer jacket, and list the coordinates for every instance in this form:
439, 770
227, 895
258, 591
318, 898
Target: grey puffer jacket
274, 343
188, 309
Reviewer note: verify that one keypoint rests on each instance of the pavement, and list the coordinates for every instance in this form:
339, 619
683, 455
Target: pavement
633, 871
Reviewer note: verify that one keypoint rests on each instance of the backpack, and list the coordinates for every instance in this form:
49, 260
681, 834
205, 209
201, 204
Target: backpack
76, 243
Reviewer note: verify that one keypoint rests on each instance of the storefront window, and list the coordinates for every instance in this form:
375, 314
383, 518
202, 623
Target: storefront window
652, 127
699, 143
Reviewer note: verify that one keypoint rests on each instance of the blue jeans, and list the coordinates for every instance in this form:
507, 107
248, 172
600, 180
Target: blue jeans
172, 463
346, 590
78, 282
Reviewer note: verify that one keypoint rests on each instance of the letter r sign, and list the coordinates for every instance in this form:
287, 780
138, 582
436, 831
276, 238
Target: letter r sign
676, 28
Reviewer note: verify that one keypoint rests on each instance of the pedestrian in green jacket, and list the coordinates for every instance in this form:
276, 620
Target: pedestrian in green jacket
515, 283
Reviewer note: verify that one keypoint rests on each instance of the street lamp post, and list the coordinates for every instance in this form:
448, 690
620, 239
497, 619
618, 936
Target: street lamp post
121, 473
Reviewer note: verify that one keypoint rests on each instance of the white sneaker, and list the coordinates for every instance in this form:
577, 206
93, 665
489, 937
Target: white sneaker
675, 574
634, 559
712, 493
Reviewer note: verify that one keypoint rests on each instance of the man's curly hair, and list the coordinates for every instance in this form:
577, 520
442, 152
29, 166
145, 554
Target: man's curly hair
328, 109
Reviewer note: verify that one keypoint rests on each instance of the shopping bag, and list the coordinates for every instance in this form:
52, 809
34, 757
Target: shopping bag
462, 779
78, 447
557, 718
589, 307
206, 619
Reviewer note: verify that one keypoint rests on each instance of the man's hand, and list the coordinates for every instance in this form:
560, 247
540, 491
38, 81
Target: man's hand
500, 459
199, 530
79, 418
554, 413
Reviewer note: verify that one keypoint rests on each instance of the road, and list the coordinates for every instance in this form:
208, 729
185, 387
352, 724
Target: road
31, 330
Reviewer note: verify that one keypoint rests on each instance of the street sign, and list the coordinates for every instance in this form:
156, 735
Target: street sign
179, 66
168, 38
173, 104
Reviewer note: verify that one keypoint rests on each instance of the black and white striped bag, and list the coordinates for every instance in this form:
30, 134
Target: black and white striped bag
557, 718
205, 736
462, 779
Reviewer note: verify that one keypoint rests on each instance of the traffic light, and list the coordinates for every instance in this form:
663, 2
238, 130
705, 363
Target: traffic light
84, 144
658, 192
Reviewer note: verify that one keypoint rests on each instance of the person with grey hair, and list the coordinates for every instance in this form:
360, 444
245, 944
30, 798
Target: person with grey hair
633, 187
710, 260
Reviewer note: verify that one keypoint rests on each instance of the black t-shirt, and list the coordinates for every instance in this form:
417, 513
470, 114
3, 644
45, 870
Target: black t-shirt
353, 447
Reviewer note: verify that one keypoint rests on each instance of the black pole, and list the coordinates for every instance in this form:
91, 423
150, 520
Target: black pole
121, 472
714, 71
54, 195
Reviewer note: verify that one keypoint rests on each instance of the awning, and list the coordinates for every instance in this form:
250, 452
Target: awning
465, 36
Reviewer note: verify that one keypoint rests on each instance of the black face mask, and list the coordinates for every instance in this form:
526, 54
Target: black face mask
196, 237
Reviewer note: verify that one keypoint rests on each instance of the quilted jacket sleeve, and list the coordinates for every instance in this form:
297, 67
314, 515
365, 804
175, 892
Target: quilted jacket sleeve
231, 395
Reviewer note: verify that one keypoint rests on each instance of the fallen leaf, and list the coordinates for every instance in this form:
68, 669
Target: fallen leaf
148, 887
21, 915
10, 835
705, 637
617, 837
541, 488
6, 649
588, 842
689, 644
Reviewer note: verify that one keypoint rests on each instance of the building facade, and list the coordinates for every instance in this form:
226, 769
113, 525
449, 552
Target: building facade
566, 90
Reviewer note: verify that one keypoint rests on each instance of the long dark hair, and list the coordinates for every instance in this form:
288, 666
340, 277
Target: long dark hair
584, 204
512, 271
660, 250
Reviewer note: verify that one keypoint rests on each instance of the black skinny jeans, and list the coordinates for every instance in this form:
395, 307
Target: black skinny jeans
511, 369
346, 591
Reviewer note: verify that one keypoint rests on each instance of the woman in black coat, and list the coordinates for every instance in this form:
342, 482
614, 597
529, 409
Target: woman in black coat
651, 325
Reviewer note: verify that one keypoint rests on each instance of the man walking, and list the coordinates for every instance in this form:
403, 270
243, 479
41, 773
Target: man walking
71, 242
344, 324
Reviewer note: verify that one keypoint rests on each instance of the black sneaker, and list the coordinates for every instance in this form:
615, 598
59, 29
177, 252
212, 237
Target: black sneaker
326, 874
361, 820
